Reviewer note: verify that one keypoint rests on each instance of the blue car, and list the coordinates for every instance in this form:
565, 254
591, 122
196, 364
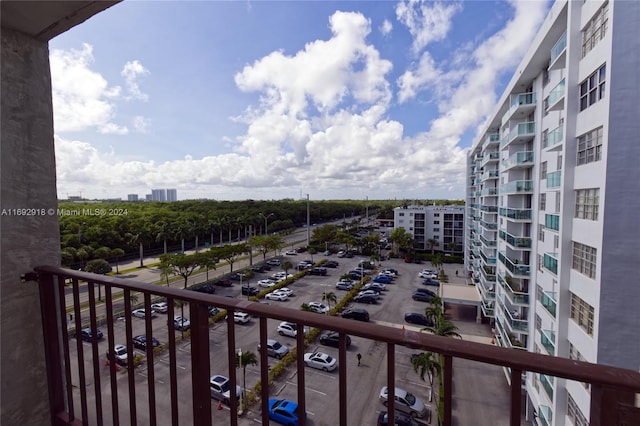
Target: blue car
384, 279
283, 411
432, 282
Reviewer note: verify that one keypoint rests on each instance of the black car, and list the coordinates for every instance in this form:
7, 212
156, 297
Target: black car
332, 338
355, 275
249, 291
426, 291
422, 297
258, 268
401, 419
432, 282
85, 334
318, 271
238, 276
213, 310
331, 264
140, 342
415, 318
205, 288
223, 283
366, 298
356, 314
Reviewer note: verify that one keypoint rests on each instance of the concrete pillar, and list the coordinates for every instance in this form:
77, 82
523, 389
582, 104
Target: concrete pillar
478, 314
27, 181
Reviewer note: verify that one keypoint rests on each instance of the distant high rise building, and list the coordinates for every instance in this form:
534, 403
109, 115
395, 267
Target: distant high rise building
158, 195
148, 197
132, 197
172, 195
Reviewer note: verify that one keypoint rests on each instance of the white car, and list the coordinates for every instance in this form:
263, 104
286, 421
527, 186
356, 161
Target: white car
287, 329
141, 313
291, 253
424, 274
241, 317
275, 295
372, 293
318, 307
181, 323
161, 307
320, 360
390, 273
280, 276
341, 253
285, 290
266, 283
405, 401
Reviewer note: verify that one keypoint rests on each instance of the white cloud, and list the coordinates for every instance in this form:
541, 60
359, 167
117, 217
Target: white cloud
131, 72
82, 98
386, 27
141, 124
426, 23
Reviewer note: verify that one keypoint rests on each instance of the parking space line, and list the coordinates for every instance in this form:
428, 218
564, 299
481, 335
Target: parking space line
308, 388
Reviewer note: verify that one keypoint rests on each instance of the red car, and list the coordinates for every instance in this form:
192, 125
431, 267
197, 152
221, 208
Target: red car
408, 260
223, 283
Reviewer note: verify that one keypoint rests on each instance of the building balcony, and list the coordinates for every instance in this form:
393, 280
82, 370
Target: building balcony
550, 262
555, 100
515, 323
491, 226
547, 385
509, 340
85, 391
489, 191
517, 187
522, 132
548, 300
522, 159
488, 260
554, 179
519, 298
490, 157
521, 271
548, 341
488, 208
522, 103
488, 275
487, 308
490, 174
554, 139
514, 241
487, 242
552, 222
516, 215
558, 55
492, 139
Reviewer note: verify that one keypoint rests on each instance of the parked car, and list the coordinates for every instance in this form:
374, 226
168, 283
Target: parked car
273, 262
161, 307
275, 349
266, 283
221, 388
205, 288
258, 268
370, 292
401, 419
318, 271
318, 307
223, 283
141, 313
284, 411
384, 279
326, 253
140, 342
418, 296
431, 282
181, 323
379, 287
391, 272
366, 298
355, 275
241, 317
249, 291
291, 253
275, 295
285, 290
345, 285
287, 329
341, 253
320, 360
404, 401
416, 318
213, 310
428, 274
332, 338
426, 291
356, 314
238, 276
87, 336
119, 355
331, 264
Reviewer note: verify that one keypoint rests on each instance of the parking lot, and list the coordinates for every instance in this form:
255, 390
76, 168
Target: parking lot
363, 382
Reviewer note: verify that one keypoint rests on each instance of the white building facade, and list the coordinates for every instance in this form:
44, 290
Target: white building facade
439, 228
552, 237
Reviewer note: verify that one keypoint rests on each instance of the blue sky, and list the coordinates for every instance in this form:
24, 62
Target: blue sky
274, 99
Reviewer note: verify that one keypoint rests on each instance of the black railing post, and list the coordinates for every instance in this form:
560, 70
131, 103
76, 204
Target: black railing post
391, 383
264, 371
342, 377
448, 390
516, 397
608, 404
200, 364
302, 406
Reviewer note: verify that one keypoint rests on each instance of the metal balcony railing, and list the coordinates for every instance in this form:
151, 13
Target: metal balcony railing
612, 389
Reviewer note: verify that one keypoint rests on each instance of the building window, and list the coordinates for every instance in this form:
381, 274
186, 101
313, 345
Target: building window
538, 319
587, 203
436, 215
559, 162
582, 314
574, 413
400, 214
584, 259
545, 76
436, 222
436, 229
540, 263
543, 201
541, 232
589, 147
543, 170
592, 89
595, 29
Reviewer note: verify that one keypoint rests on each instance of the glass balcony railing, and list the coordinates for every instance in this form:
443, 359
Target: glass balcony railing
519, 101
516, 214
490, 156
520, 242
488, 208
515, 296
509, 340
553, 179
487, 242
516, 323
488, 275
490, 174
548, 300
547, 385
548, 340
550, 262
517, 186
519, 158
545, 415
489, 225
521, 130
552, 221
489, 260
559, 48
492, 138
514, 268
556, 94
489, 191
554, 137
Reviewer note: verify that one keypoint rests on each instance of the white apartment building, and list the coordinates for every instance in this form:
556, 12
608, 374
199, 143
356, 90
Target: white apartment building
172, 195
440, 228
553, 233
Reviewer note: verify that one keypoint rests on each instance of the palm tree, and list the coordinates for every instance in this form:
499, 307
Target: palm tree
285, 266
243, 359
305, 307
329, 297
117, 253
426, 363
432, 243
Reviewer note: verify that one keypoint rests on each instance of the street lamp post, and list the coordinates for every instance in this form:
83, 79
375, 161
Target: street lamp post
265, 220
242, 389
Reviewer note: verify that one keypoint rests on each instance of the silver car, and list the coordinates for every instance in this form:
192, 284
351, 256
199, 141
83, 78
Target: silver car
275, 349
